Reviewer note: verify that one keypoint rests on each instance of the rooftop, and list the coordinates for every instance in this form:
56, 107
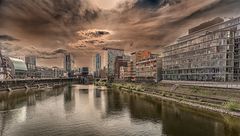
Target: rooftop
19, 64
206, 24
113, 49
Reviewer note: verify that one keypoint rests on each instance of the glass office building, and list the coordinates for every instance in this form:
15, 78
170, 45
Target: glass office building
210, 52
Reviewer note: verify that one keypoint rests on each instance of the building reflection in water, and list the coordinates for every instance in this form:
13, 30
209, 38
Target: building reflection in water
6, 118
107, 112
31, 100
69, 99
173, 119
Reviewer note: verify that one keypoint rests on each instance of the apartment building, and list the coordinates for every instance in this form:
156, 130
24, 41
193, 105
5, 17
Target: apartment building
149, 69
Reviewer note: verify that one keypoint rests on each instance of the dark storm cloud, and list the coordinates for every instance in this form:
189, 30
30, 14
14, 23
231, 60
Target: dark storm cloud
54, 27
154, 3
44, 25
8, 47
58, 19
7, 38
50, 54
152, 28
148, 3
42, 12
55, 52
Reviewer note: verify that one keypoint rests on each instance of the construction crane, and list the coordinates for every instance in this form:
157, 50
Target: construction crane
6, 74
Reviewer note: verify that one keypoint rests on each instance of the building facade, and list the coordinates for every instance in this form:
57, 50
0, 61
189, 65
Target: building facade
45, 72
109, 58
207, 53
149, 69
19, 67
31, 62
58, 72
121, 61
84, 71
142, 55
98, 65
131, 71
123, 73
132, 64
68, 62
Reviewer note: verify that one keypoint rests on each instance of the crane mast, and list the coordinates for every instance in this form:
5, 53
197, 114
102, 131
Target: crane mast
6, 74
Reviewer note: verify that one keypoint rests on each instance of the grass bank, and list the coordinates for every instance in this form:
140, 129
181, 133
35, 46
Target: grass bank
221, 100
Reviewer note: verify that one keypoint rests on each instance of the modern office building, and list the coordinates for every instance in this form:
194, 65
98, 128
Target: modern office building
19, 68
121, 61
31, 62
210, 52
134, 59
98, 65
12, 68
109, 58
58, 72
131, 71
68, 62
84, 71
149, 69
45, 72
123, 73
142, 55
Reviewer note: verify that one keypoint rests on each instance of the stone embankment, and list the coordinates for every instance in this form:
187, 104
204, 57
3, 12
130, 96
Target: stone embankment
226, 101
34, 84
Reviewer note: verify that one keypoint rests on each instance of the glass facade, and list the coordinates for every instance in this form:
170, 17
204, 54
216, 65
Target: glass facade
208, 55
20, 68
98, 64
110, 59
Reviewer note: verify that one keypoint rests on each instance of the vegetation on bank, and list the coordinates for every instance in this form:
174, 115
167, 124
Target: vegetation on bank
232, 106
220, 98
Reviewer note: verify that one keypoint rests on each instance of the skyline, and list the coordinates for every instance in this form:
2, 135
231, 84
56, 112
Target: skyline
83, 28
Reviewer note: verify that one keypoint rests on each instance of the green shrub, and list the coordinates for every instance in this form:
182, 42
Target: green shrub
195, 89
232, 106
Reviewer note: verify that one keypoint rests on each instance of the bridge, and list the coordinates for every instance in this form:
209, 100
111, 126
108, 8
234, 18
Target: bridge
20, 84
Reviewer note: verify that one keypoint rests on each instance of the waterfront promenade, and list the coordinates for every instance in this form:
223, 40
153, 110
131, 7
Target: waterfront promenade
84, 110
217, 99
229, 85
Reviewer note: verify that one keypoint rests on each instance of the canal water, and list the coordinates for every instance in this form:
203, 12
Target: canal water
78, 110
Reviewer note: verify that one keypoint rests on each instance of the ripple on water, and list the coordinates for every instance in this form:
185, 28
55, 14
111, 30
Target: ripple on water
88, 112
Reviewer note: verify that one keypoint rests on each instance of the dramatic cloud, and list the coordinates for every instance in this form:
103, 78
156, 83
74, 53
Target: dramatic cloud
88, 38
55, 18
7, 38
50, 28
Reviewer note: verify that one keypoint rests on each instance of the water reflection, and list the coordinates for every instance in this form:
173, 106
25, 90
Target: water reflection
69, 99
84, 110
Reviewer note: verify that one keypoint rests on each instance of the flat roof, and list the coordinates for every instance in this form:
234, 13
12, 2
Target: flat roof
113, 49
19, 64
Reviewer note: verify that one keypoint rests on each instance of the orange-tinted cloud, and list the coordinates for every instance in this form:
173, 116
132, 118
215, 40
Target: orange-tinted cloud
84, 27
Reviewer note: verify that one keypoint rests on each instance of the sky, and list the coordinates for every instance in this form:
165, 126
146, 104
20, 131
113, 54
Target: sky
51, 28
106, 4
